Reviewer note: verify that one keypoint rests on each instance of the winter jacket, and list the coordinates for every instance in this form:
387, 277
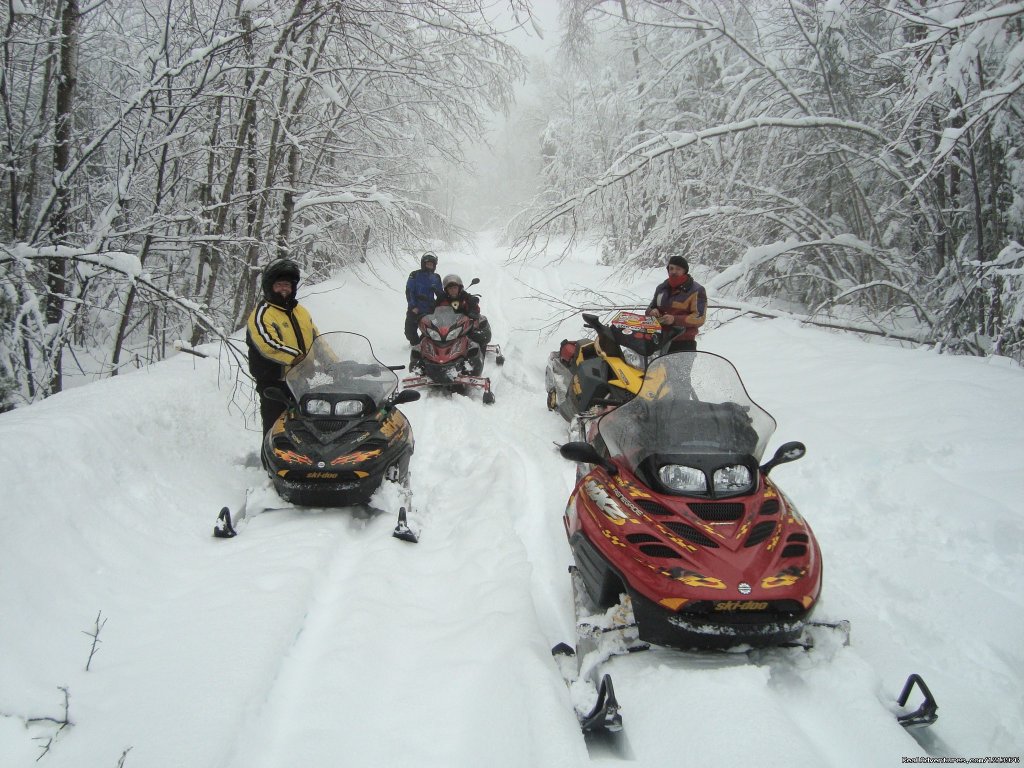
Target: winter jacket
277, 335
466, 303
687, 305
423, 290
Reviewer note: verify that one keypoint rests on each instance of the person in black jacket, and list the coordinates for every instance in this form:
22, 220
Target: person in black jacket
279, 333
456, 297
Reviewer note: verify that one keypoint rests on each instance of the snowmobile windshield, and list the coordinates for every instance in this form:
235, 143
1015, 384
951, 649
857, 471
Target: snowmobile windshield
690, 404
445, 316
340, 364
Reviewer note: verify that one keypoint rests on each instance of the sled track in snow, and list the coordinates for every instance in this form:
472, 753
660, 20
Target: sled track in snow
263, 738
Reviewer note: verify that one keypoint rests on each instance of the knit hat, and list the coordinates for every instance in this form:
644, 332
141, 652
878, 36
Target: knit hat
679, 261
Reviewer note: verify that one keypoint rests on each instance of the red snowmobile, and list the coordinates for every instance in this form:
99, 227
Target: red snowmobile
679, 537
678, 516
451, 353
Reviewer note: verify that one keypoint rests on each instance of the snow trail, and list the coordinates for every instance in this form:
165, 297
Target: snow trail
315, 638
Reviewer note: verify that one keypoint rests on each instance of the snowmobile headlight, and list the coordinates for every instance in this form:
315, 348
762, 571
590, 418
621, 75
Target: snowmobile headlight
683, 479
318, 407
455, 332
733, 478
434, 334
348, 408
633, 359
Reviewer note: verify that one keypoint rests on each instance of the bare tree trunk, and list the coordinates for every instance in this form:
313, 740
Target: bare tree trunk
246, 124
256, 204
56, 281
288, 204
147, 244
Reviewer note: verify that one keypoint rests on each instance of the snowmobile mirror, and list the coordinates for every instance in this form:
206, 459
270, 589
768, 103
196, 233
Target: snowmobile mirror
276, 393
787, 452
474, 281
406, 396
585, 452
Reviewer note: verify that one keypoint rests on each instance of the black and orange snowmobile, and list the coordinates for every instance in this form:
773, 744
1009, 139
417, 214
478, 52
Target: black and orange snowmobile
342, 434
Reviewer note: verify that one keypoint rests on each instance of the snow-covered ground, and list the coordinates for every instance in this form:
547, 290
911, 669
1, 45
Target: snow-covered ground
314, 638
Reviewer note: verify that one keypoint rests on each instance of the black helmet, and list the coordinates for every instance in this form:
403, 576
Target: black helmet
428, 256
282, 269
452, 280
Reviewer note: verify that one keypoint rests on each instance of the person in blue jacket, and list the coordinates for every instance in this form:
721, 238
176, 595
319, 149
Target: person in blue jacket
422, 292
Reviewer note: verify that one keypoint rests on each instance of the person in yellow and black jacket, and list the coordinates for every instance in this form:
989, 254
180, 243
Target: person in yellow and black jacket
680, 303
279, 333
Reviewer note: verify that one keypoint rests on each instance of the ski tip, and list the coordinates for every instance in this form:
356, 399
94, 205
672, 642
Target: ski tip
924, 715
223, 529
605, 716
563, 649
406, 534
403, 531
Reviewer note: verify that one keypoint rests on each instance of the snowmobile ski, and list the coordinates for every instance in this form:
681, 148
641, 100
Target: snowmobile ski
926, 714
495, 349
403, 531
604, 716
403, 484
223, 529
258, 499
598, 638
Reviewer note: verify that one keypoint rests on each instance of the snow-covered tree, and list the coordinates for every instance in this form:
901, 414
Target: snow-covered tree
855, 159
159, 155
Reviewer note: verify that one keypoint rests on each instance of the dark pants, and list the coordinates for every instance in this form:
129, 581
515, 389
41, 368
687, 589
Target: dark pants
482, 335
683, 345
270, 410
412, 321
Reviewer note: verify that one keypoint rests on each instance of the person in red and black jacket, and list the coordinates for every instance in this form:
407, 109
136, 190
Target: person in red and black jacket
279, 333
458, 298
679, 303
